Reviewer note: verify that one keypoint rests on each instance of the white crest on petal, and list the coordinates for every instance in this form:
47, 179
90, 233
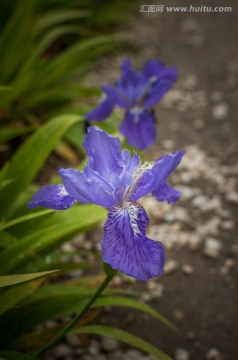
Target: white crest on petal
63, 191
136, 111
141, 169
132, 210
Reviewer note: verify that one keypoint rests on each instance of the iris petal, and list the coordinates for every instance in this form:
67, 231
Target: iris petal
165, 193
164, 83
88, 187
131, 162
154, 69
115, 96
125, 245
153, 178
102, 111
103, 151
139, 129
53, 197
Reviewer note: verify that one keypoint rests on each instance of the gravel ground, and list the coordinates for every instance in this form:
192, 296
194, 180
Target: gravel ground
198, 291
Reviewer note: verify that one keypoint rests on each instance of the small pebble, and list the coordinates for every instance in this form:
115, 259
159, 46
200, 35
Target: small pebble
191, 335
73, 340
109, 344
212, 247
178, 314
230, 263
220, 111
213, 354
232, 197
170, 266
187, 269
62, 350
93, 348
199, 124
181, 354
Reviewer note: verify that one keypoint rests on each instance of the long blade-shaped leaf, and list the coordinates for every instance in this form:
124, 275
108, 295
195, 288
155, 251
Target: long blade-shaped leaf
15, 294
24, 218
132, 303
51, 234
29, 158
124, 336
20, 278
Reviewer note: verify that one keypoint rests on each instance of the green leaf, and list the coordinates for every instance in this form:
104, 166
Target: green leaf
14, 295
29, 158
24, 218
12, 355
57, 17
112, 300
7, 239
51, 302
10, 133
47, 233
8, 280
124, 336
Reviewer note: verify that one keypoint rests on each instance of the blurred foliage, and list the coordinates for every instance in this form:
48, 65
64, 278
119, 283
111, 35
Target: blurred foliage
46, 47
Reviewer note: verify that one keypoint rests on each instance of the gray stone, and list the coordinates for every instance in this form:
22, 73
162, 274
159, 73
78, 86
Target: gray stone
232, 197
220, 111
213, 354
62, 350
73, 340
181, 354
188, 269
93, 348
170, 266
109, 344
212, 247
199, 124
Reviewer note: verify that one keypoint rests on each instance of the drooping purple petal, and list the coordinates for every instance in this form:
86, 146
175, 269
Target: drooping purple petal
102, 111
53, 197
153, 178
165, 193
103, 151
125, 245
88, 187
139, 129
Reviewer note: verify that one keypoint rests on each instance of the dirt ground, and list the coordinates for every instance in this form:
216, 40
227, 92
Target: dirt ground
198, 291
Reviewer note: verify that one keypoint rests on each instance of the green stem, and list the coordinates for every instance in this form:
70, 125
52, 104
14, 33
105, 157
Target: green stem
71, 324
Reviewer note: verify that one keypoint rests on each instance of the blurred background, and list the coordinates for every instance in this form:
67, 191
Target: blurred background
55, 55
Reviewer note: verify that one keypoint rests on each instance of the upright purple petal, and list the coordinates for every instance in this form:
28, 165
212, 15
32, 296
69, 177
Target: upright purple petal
103, 151
102, 111
139, 129
130, 86
131, 162
125, 245
164, 83
165, 193
153, 178
53, 197
88, 187
153, 69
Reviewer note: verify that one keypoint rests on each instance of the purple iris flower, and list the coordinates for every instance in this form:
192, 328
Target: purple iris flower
116, 180
136, 93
